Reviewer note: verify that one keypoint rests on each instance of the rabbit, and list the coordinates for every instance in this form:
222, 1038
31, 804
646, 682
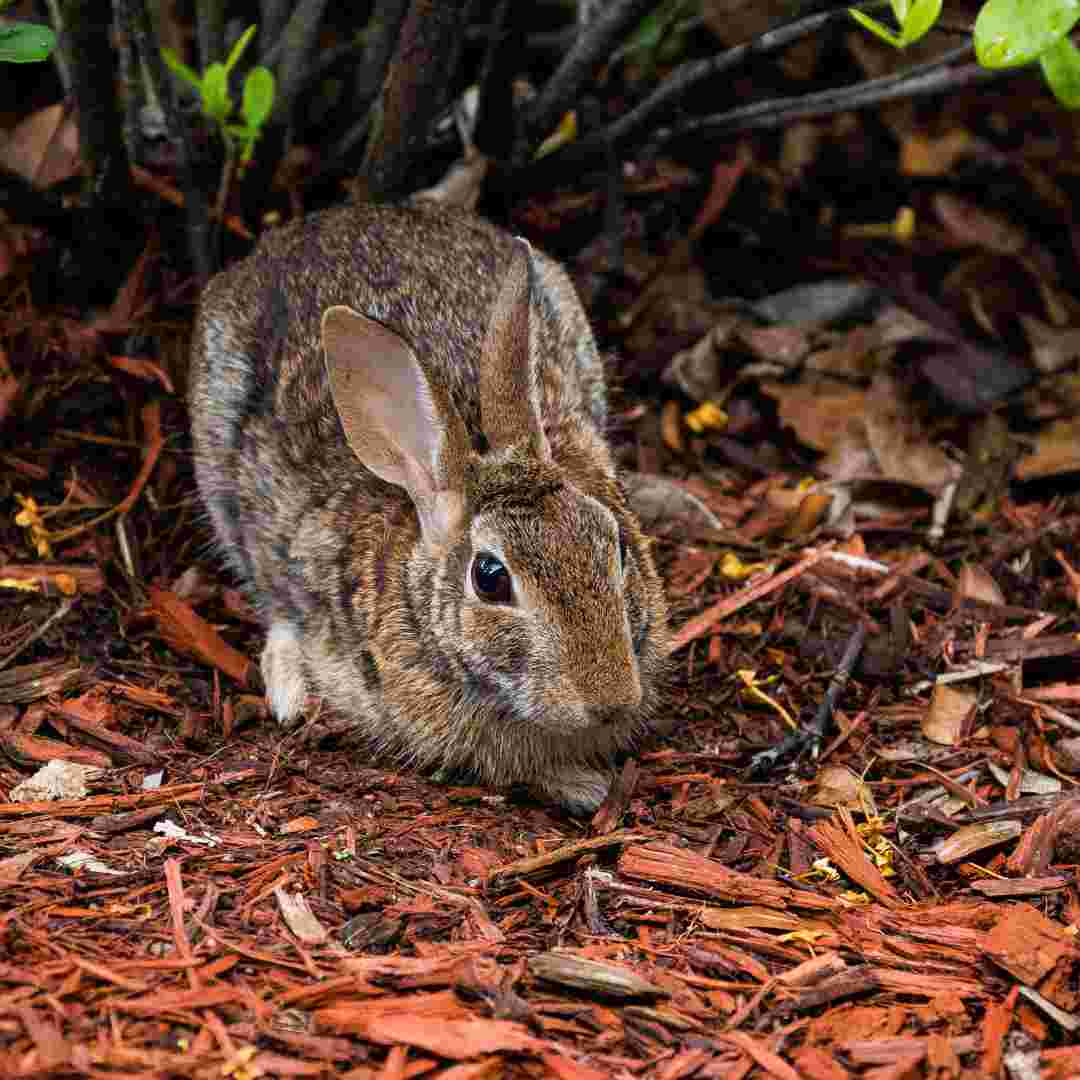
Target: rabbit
398, 418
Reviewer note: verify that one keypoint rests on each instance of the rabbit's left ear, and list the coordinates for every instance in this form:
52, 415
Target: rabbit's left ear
398, 423
509, 388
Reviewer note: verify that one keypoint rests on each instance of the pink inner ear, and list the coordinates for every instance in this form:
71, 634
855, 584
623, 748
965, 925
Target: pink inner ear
384, 401
398, 425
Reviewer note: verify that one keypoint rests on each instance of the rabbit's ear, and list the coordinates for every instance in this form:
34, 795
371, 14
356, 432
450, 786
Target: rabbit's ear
398, 424
509, 394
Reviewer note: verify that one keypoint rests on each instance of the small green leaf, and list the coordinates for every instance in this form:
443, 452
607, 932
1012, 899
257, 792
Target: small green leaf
913, 17
258, 96
1009, 33
875, 27
216, 102
918, 18
1061, 67
23, 43
238, 49
180, 69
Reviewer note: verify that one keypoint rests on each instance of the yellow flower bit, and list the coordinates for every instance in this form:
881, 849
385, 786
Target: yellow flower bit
753, 688
29, 518
734, 569
822, 870
901, 228
708, 416
856, 899
22, 586
565, 133
881, 853
809, 937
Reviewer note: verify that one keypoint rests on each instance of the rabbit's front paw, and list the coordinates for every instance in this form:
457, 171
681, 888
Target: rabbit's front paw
579, 791
283, 673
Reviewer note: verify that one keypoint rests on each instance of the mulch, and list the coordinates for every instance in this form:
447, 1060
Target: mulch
226, 899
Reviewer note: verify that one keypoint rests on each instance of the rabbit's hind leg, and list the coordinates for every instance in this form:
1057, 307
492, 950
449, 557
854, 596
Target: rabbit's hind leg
283, 672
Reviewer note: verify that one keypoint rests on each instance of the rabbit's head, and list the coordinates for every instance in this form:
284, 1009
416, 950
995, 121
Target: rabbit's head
530, 594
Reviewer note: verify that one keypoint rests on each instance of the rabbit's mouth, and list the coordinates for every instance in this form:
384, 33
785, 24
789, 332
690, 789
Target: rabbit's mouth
608, 716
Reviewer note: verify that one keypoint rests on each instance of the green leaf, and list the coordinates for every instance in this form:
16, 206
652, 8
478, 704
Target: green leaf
216, 102
238, 49
914, 17
258, 97
23, 43
918, 18
1061, 67
179, 68
875, 27
1009, 33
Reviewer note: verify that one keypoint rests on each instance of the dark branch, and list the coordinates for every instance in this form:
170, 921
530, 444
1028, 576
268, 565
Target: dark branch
592, 48
495, 127
415, 92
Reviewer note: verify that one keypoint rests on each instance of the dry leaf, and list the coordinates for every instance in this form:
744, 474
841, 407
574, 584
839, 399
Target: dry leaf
970, 839
974, 583
947, 720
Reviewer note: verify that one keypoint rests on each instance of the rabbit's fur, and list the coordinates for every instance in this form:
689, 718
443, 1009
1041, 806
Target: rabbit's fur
379, 396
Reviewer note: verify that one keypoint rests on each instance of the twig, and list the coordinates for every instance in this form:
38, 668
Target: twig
59, 613
703, 623
930, 78
813, 733
592, 48
665, 98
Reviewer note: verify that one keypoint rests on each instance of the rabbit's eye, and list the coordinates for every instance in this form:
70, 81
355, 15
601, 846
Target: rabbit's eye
491, 580
622, 550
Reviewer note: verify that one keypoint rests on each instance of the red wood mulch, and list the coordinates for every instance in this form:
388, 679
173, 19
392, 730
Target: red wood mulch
228, 900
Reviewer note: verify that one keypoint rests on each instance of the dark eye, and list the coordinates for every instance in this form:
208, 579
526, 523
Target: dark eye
622, 549
491, 580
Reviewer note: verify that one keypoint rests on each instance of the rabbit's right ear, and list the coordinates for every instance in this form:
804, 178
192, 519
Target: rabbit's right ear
398, 424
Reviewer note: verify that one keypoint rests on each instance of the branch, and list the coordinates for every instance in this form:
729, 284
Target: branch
381, 34
295, 46
495, 130
196, 209
930, 78
88, 50
594, 148
414, 93
592, 48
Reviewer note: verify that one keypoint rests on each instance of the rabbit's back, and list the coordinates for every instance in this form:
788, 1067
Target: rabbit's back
428, 273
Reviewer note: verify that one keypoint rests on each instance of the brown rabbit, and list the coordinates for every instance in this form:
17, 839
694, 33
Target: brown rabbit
398, 419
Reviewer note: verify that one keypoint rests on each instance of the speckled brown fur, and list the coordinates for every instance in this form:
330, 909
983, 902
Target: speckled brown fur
364, 588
